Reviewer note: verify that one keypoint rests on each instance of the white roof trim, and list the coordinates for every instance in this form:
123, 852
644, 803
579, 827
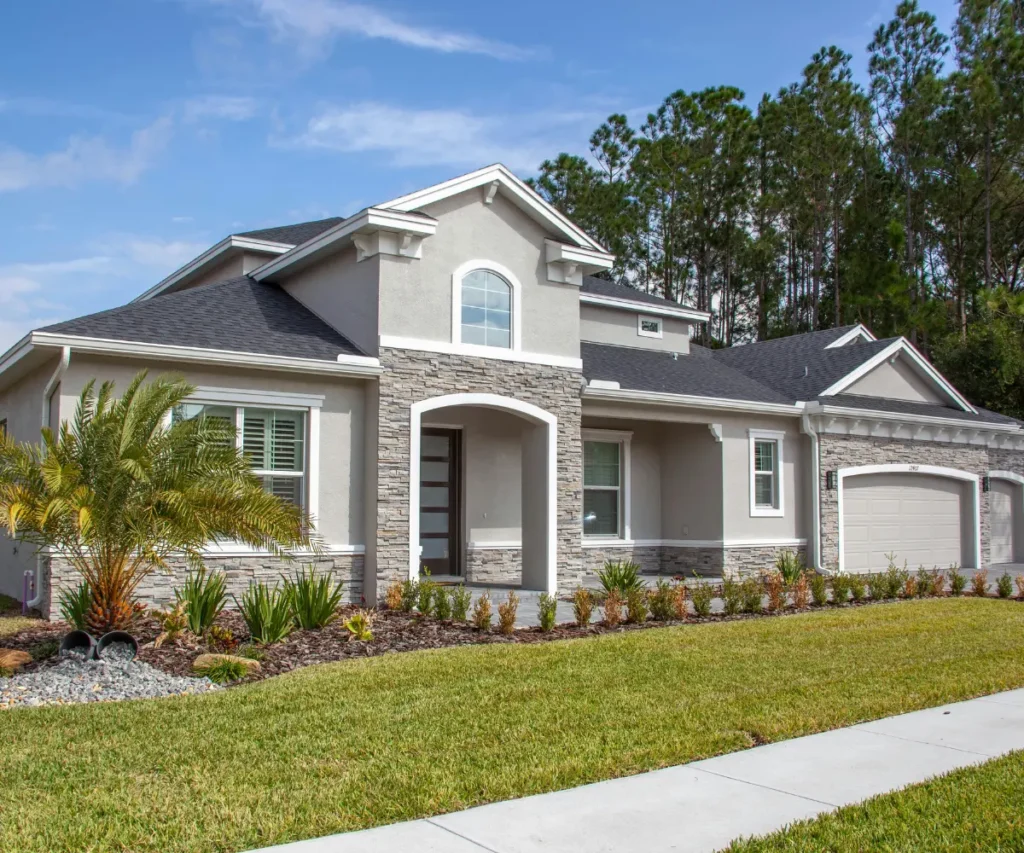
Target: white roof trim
626, 395
859, 331
645, 307
368, 219
899, 347
345, 365
212, 254
818, 408
521, 193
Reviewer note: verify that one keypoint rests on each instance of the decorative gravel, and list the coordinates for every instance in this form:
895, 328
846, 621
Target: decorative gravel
116, 676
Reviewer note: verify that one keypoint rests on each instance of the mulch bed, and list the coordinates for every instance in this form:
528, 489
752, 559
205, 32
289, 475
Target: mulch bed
392, 632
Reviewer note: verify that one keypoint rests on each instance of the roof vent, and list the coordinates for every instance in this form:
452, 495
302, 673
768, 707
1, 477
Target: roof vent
675, 356
806, 372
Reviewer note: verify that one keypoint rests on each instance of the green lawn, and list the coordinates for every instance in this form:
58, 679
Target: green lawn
352, 745
981, 808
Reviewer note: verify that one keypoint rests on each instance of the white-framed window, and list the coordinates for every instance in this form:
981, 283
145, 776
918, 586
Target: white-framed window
648, 326
606, 476
766, 484
486, 318
273, 439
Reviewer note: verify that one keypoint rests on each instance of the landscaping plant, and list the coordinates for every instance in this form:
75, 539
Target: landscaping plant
702, 595
732, 596
315, 599
461, 599
840, 588
801, 592
938, 582
924, 582
204, 596
662, 601
224, 671
613, 609
775, 587
173, 624
819, 588
679, 600
75, 604
482, 612
790, 565
507, 614
252, 653
895, 579
621, 575
878, 587
44, 650
979, 583
751, 594
267, 613
856, 586
957, 580
425, 595
98, 492
909, 586
548, 609
393, 596
1019, 581
637, 606
359, 626
442, 604
221, 639
410, 594
1004, 586
582, 606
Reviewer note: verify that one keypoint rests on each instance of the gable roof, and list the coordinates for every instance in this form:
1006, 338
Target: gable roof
239, 315
293, 234
611, 294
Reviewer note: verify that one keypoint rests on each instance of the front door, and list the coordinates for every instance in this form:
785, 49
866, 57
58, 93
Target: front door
439, 501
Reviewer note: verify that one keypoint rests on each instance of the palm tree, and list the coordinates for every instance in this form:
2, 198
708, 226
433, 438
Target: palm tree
123, 488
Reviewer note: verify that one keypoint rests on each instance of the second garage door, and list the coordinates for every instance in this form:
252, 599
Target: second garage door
917, 517
1001, 501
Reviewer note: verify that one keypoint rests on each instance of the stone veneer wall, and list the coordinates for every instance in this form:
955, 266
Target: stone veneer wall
157, 590
659, 559
742, 562
411, 376
842, 451
494, 565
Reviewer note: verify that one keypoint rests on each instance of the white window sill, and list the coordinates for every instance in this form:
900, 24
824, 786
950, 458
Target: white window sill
607, 542
767, 512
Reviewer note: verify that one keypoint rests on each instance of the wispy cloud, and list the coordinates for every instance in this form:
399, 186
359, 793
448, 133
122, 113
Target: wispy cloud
223, 107
444, 137
84, 159
161, 255
50, 108
312, 25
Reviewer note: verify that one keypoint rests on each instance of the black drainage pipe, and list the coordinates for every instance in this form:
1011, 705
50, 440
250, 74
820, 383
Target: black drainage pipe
117, 637
79, 642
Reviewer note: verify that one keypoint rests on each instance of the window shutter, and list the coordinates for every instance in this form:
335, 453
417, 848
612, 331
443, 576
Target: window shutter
254, 429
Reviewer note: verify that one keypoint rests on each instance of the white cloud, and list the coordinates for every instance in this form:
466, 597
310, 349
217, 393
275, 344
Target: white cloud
445, 137
224, 107
161, 254
313, 24
23, 306
85, 159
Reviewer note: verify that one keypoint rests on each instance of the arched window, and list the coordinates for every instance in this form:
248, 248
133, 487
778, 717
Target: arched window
486, 309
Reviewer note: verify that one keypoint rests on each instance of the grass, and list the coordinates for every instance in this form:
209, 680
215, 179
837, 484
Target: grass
352, 745
979, 808
10, 620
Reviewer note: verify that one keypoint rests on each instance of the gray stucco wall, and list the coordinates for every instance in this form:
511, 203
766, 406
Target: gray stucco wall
896, 380
615, 326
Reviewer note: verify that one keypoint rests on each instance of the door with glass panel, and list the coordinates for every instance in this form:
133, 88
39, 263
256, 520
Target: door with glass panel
439, 501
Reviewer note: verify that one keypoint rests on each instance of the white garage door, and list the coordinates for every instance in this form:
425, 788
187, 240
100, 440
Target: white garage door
1000, 503
917, 517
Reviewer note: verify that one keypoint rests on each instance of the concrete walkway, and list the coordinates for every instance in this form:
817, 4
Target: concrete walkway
705, 805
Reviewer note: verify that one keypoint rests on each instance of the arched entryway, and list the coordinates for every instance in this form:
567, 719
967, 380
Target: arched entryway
431, 449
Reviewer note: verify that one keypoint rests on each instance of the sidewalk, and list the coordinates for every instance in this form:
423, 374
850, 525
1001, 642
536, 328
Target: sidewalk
703, 806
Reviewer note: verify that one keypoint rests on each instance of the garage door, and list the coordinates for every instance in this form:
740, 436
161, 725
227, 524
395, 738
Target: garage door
1001, 502
917, 517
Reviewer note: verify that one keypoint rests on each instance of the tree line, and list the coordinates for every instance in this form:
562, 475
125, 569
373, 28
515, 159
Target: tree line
899, 204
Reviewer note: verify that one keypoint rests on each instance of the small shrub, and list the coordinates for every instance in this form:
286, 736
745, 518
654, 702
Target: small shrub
801, 592
221, 639
252, 653
877, 587
924, 582
1004, 586
662, 601
938, 582
75, 604
679, 601
957, 580
909, 586
790, 565
224, 671
173, 624
621, 575
840, 588
637, 606
751, 593
819, 588
461, 600
547, 608
507, 614
482, 612
393, 596
613, 609
732, 596
359, 626
44, 650
314, 599
856, 587
979, 583
582, 606
895, 578
267, 613
702, 595
425, 596
204, 596
775, 587
410, 592
442, 604
1019, 581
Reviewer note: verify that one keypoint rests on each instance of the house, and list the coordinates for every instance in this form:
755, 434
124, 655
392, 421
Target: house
442, 382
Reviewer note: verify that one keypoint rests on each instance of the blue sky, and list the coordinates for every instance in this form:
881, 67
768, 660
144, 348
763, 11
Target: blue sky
136, 133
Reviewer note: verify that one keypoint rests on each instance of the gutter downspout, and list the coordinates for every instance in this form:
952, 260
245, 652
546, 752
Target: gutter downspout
51, 386
807, 429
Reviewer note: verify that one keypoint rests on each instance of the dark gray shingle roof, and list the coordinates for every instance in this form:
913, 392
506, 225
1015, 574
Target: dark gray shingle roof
657, 371
600, 287
906, 407
293, 234
240, 315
